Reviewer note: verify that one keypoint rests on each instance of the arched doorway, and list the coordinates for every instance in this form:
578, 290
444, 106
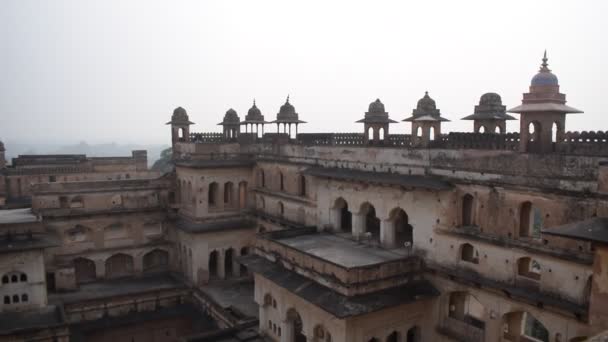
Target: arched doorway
372, 222
294, 322
85, 270
213, 264
404, 232
467, 210
342, 216
228, 259
393, 337
156, 261
119, 265
413, 334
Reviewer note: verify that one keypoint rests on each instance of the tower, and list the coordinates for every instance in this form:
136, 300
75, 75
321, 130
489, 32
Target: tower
287, 116
426, 121
543, 113
180, 126
490, 115
375, 123
231, 124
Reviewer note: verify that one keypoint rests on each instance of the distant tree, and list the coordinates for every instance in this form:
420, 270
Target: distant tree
164, 164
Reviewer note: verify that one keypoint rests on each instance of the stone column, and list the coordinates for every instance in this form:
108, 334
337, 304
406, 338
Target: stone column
100, 269
387, 233
236, 267
358, 222
221, 270
138, 265
336, 218
287, 331
493, 329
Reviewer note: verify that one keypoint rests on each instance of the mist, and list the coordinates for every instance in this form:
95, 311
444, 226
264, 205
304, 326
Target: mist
113, 71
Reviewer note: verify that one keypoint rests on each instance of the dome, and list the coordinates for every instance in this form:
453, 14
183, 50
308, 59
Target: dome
490, 99
426, 103
544, 77
376, 107
287, 112
254, 112
231, 117
179, 114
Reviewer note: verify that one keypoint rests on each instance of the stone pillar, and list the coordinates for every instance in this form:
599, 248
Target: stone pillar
221, 270
336, 218
263, 320
358, 224
138, 265
100, 269
236, 267
493, 330
287, 333
387, 233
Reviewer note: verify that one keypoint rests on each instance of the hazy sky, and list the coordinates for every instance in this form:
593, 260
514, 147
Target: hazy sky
114, 70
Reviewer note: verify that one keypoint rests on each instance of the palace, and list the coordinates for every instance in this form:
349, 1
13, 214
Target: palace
273, 235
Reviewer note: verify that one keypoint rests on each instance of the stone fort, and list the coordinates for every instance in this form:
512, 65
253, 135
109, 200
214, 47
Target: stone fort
261, 233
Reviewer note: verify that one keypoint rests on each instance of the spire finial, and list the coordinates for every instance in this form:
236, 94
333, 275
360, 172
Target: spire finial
287, 98
254, 101
545, 66
426, 93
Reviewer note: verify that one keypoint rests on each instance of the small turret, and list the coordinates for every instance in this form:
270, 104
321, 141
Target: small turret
426, 121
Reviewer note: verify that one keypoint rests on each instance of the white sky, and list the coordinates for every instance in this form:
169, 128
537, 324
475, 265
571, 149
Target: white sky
115, 70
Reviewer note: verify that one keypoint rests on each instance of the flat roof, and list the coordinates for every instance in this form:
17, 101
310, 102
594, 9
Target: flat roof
118, 287
214, 226
333, 302
341, 250
12, 322
10, 216
594, 230
414, 181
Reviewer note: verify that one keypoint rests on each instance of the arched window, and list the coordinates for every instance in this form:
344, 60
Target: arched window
467, 210
119, 265
419, 131
262, 179
7, 299
156, 260
530, 220
554, 130
370, 134
24, 298
212, 196
242, 195
432, 133
15, 298
497, 130
14, 278
529, 268
5, 279
482, 129
281, 182
84, 270
381, 133
281, 209
393, 337
469, 254
294, 320
228, 193
267, 300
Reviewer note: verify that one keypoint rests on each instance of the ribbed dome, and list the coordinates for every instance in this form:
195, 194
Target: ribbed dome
426, 103
179, 114
490, 99
544, 77
254, 113
231, 117
376, 107
287, 112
